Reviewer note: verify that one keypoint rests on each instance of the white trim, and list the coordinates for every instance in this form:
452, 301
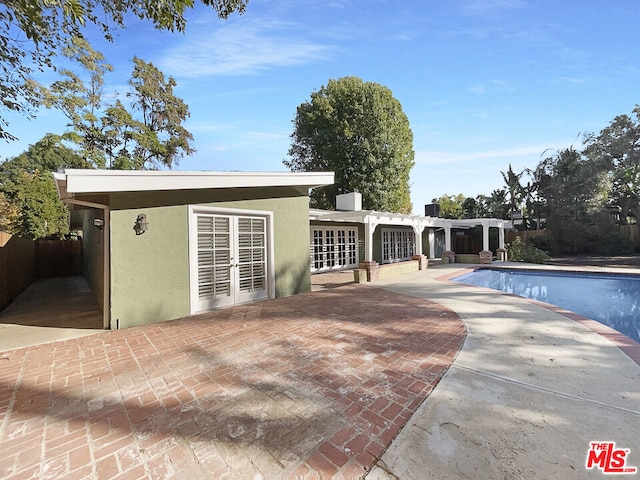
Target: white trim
72, 181
194, 210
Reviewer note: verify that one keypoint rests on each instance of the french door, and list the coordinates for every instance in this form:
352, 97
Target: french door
230, 260
333, 248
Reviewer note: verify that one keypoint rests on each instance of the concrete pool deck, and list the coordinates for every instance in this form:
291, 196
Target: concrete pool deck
527, 393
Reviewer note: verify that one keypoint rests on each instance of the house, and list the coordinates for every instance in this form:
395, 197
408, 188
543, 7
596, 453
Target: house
349, 236
160, 245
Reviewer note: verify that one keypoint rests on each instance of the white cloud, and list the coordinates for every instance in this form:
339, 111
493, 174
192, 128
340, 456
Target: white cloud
484, 6
242, 48
575, 80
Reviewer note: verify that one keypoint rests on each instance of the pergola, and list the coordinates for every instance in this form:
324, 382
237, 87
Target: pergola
371, 219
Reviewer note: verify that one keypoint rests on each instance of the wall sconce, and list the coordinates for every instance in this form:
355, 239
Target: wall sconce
141, 224
98, 222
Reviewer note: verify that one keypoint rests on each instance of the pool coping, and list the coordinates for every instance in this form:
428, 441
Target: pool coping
625, 343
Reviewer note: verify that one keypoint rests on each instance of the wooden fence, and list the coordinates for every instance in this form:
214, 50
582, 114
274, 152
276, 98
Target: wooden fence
525, 234
631, 232
23, 261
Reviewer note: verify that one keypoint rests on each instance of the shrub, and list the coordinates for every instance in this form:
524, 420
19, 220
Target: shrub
519, 251
541, 242
618, 245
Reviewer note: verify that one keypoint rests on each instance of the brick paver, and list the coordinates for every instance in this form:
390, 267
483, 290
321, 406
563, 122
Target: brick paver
310, 386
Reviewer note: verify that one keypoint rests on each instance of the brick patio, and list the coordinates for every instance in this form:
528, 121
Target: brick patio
310, 386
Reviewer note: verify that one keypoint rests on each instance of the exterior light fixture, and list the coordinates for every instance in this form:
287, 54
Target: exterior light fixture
141, 224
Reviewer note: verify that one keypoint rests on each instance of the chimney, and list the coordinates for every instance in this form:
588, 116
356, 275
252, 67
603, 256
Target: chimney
349, 202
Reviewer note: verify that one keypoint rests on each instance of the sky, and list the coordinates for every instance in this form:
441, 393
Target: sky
484, 83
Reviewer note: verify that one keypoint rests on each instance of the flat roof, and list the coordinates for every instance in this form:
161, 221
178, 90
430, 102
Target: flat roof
71, 181
401, 219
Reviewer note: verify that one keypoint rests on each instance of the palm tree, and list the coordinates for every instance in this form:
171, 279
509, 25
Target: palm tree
512, 181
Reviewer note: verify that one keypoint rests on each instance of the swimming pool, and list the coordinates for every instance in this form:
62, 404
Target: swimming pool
613, 300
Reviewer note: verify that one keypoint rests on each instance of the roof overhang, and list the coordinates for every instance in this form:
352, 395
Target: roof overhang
401, 219
77, 181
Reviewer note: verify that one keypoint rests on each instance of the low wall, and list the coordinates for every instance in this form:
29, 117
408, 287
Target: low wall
393, 269
372, 271
467, 258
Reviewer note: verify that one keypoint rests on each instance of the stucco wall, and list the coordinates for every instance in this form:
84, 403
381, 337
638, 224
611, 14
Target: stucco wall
92, 253
150, 272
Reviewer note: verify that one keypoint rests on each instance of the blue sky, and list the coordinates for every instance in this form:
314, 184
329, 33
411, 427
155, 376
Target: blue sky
484, 83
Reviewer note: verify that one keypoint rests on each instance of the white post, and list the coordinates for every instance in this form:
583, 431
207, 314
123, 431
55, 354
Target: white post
485, 236
432, 243
369, 228
447, 238
417, 230
501, 237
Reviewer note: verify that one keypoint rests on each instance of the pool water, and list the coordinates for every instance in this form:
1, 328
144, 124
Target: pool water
613, 300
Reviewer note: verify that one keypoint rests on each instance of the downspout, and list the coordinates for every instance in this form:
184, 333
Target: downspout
106, 258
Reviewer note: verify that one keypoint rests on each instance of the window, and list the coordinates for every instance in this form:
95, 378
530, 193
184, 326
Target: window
397, 245
333, 248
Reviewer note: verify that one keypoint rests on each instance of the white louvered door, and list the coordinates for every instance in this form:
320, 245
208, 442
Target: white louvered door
251, 259
231, 260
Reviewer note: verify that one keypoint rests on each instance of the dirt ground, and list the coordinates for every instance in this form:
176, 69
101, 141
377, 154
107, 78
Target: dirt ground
625, 261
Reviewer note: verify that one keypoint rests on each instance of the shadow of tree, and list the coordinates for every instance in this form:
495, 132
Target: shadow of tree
324, 381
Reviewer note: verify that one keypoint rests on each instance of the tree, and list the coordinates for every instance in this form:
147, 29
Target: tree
617, 149
81, 100
9, 214
47, 154
31, 32
358, 130
532, 204
42, 214
29, 202
575, 192
514, 188
157, 138
451, 206
149, 135
496, 204
471, 208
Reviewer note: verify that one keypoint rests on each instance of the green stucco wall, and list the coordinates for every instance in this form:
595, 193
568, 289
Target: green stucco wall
150, 272
377, 244
92, 253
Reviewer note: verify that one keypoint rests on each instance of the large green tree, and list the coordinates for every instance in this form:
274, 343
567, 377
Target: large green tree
358, 130
29, 203
33, 31
41, 213
616, 148
575, 193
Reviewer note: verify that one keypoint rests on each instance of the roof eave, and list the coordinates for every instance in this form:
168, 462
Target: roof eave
74, 181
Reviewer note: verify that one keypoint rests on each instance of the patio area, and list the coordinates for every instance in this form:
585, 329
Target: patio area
311, 386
